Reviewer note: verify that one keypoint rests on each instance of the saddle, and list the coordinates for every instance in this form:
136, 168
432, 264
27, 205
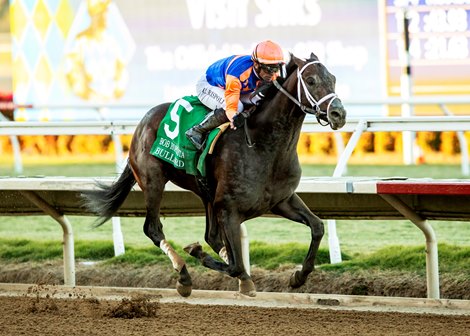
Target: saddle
211, 144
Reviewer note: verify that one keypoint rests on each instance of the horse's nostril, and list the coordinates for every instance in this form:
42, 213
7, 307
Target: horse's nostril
335, 115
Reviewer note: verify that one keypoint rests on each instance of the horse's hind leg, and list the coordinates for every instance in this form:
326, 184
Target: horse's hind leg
153, 228
295, 209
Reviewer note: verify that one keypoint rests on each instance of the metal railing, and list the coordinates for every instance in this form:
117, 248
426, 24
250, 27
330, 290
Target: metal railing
356, 126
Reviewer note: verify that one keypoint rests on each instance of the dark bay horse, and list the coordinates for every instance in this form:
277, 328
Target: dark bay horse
244, 182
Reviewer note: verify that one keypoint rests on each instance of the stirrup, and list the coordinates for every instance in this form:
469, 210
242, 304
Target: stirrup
192, 136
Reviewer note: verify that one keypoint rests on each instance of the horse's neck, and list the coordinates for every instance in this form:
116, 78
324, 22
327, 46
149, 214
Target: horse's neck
280, 121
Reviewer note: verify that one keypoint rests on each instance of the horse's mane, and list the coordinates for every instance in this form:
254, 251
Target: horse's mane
290, 66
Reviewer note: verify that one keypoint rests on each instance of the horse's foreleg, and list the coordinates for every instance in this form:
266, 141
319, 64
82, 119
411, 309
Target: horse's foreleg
246, 285
213, 237
232, 234
295, 209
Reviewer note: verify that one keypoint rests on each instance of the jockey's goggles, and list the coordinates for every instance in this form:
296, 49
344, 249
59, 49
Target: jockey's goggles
270, 68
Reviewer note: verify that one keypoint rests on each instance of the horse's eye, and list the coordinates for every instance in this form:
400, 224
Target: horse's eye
310, 81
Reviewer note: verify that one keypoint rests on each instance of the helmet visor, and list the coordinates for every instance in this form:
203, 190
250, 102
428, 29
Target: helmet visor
270, 68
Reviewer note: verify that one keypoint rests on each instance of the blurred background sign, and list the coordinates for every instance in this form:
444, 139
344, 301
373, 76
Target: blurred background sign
69, 57
145, 52
439, 46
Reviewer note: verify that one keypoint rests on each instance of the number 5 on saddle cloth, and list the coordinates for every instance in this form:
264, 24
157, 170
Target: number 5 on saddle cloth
172, 146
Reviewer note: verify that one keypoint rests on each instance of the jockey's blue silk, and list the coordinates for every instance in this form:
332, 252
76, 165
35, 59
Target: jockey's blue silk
240, 67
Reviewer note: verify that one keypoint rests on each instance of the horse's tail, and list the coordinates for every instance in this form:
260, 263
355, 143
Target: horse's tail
107, 200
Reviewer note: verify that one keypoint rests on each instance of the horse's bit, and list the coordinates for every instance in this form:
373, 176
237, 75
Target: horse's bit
315, 109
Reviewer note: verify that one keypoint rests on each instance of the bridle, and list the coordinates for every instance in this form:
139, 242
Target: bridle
315, 105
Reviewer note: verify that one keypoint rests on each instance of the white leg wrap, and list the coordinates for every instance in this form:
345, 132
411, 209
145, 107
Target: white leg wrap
223, 254
176, 260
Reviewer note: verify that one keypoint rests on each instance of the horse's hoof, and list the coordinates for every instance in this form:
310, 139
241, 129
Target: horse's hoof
247, 287
296, 280
193, 249
183, 290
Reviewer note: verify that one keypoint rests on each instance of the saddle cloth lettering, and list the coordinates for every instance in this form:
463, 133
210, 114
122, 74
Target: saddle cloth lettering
171, 144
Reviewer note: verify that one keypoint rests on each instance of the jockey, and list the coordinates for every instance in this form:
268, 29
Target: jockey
233, 81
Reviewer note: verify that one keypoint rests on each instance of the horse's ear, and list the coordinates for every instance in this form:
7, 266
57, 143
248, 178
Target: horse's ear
313, 57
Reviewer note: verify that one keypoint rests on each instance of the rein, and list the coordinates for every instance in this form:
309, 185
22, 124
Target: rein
315, 105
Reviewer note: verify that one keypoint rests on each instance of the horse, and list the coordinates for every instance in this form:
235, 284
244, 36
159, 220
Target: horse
244, 180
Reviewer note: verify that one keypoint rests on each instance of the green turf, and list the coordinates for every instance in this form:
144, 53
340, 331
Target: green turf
355, 236
452, 259
269, 256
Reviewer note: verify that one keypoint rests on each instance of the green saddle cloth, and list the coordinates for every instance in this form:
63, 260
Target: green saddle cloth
172, 145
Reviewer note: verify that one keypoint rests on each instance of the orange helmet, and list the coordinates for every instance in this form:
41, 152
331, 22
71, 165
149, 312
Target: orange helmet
268, 52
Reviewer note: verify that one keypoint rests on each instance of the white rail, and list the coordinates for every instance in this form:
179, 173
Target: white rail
373, 124
328, 197
357, 126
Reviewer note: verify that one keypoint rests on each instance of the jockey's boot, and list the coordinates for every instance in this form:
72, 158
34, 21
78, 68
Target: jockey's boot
197, 134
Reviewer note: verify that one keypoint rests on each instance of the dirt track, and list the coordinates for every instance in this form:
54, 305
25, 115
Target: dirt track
90, 316
87, 315
163, 276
